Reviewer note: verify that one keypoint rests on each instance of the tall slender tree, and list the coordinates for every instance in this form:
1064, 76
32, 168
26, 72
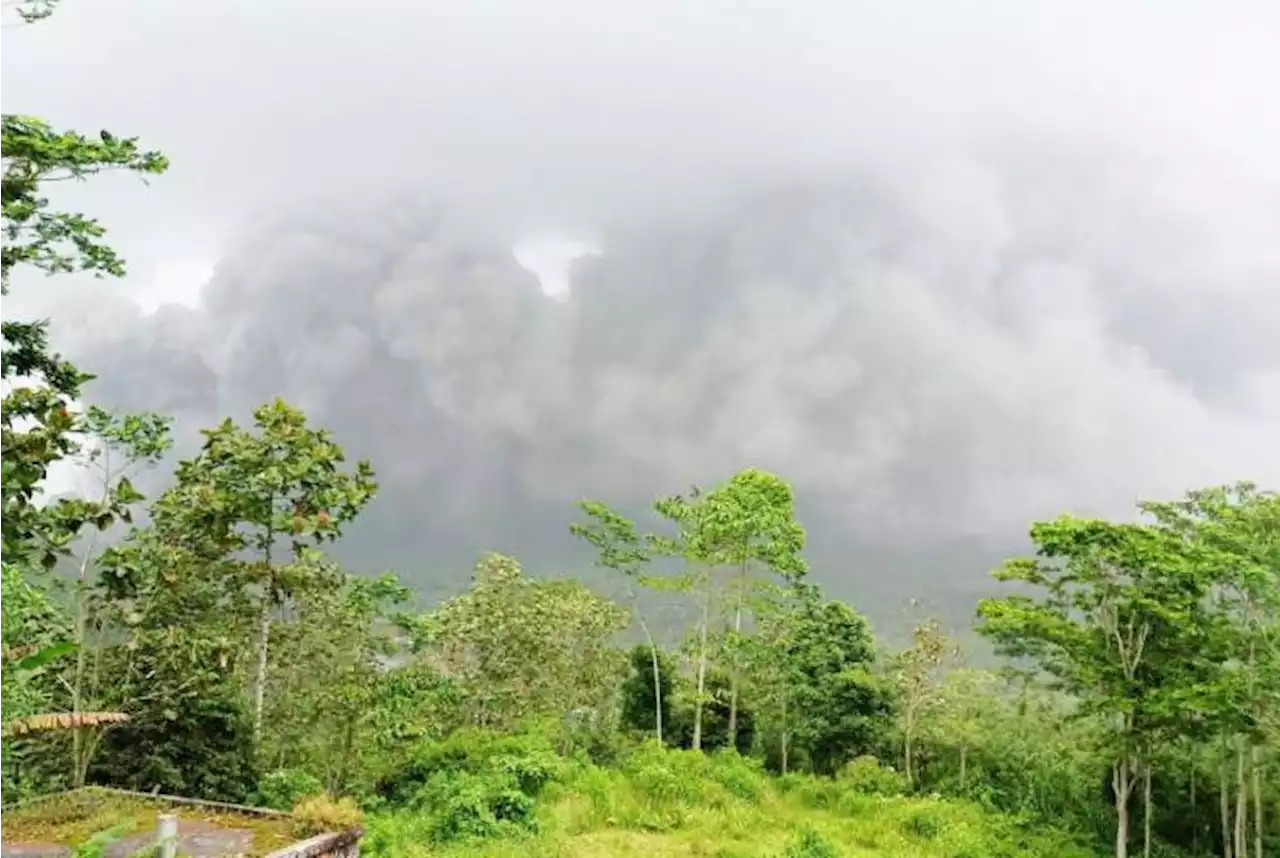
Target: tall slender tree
254, 491
1119, 609
117, 446
1235, 692
920, 673
690, 547
621, 549
748, 524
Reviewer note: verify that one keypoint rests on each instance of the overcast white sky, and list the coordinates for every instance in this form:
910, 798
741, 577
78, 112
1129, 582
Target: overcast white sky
949, 265
570, 103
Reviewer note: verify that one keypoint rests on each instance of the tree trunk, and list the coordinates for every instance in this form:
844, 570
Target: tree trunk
77, 690
1146, 811
339, 787
702, 668
269, 598
1242, 801
1256, 777
93, 737
907, 765
1195, 818
1224, 801
79, 741
1121, 786
657, 680
733, 674
260, 680
786, 733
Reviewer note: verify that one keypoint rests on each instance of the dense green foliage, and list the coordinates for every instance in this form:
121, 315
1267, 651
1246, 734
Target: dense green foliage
217, 651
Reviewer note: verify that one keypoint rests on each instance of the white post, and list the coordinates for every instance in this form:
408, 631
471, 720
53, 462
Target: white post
167, 835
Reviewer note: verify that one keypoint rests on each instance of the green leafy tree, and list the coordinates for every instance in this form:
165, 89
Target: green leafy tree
640, 697
715, 715
1235, 695
960, 716
36, 633
37, 420
172, 623
53, 241
1120, 608
249, 490
413, 703
37, 423
1016, 746
812, 663
117, 446
770, 659
690, 547
920, 672
522, 648
622, 550
329, 664
749, 525
32, 625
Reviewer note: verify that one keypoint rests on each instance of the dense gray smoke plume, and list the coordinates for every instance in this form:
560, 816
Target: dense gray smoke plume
920, 379
947, 275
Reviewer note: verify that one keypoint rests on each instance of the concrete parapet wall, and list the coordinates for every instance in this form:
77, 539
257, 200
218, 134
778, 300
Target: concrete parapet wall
343, 845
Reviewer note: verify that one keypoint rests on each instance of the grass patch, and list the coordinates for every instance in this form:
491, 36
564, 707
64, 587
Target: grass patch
661, 803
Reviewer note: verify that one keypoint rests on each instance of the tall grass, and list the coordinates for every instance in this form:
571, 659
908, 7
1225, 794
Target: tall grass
659, 802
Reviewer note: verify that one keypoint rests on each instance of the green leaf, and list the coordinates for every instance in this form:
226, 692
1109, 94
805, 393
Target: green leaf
40, 659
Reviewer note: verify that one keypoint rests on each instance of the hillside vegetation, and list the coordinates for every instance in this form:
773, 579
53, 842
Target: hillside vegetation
661, 802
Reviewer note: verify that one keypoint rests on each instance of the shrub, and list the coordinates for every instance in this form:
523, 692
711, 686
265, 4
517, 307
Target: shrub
589, 736
669, 777
467, 806
743, 777
205, 752
529, 758
283, 788
664, 784
476, 783
816, 792
320, 814
530, 771
852, 804
866, 774
924, 824
396, 835
659, 789
809, 844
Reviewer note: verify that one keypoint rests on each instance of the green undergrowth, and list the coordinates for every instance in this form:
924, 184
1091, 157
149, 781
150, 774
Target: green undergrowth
515, 796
